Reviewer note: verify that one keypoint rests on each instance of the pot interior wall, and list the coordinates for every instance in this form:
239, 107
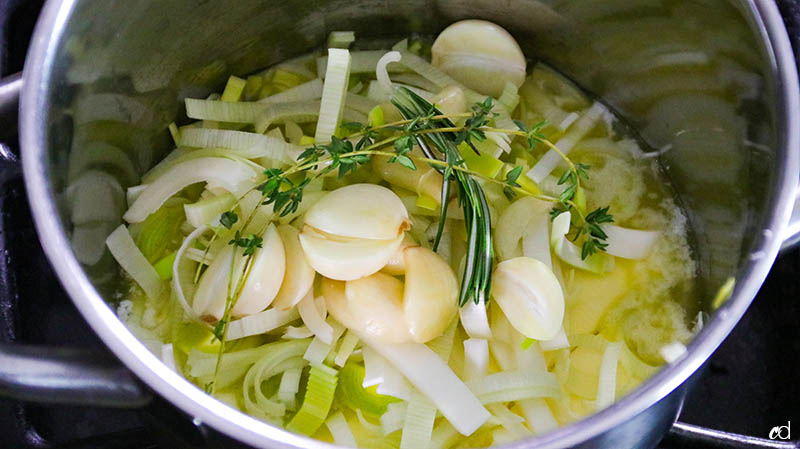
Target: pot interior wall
693, 78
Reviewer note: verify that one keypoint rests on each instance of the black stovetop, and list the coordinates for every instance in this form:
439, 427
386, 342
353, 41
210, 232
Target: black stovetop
750, 384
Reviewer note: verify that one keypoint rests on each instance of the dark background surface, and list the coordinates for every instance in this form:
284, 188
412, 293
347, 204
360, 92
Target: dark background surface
751, 384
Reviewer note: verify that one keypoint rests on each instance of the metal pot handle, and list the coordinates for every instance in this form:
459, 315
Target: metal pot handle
49, 374
689, 436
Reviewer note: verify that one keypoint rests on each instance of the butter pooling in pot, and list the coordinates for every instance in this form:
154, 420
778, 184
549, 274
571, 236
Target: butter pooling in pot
400, 252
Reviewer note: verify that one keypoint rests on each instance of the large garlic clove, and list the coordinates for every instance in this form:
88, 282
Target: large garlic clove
265, 277
299, 277
481, 55
375, 304
431, 294
451, 100
346, 259
212, 290
396, 266
530, 296
364, 211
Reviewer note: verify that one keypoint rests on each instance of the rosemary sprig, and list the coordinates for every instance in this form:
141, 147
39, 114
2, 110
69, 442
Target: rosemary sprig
476, 283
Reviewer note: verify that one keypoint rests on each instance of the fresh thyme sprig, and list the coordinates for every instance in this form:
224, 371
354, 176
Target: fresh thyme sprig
573, 198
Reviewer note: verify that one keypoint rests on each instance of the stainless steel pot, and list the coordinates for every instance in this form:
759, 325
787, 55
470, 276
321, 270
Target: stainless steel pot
711, 84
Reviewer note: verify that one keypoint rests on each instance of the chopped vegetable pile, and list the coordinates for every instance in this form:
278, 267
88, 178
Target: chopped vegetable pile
381, 249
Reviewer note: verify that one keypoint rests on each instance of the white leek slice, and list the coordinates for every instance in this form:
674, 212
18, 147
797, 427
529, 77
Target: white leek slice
134, 263
381, 71
207, 211
183, 268
294, 333
476, 358
607, 380
503, 353
507, 386
474, 319
311, 90
569, 252
246, 145
374, 367
393, 419
340, 430
536, 241
313, 319
260, 323
361, 62
394, 383
223, 111
444, 436
629, 243
568, 121
422, 67
346, 348
415, 80
341, 39
290, 385
337, 76
510, 421
577, 131
426, 371
133, 192
418, 423
317, 351
538, 414
232, 176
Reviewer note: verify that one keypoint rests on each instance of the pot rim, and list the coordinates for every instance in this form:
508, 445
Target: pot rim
38, 69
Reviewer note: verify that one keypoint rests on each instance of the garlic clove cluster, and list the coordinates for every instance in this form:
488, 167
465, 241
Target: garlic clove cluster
382, 306
354, 231
481, 55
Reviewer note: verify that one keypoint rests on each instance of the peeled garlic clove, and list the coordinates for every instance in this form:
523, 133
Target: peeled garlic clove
530, 296
346, 259
212, 290
375, 304
364, 211
481, 55
265, 277
451, 100
431, 294
396, 266
336, 301
299, 277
